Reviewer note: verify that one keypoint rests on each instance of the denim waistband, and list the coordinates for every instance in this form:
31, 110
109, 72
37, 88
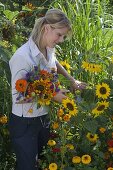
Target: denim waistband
29, 119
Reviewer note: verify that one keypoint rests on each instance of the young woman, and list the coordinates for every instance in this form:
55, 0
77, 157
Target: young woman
30, 131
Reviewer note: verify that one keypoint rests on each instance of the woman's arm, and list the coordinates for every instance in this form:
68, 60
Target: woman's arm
75, 84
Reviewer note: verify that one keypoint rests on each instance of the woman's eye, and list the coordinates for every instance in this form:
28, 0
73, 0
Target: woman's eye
59, 35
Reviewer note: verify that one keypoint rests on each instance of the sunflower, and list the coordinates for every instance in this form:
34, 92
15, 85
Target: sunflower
66, 65
110, 168
91, 137
53, 166
103, 90
85, 65
91, 67
21, 85
97, 68
86, 159
76, 159
51, 142
101, 106
45, 99
94, 68
70, 106
41, 86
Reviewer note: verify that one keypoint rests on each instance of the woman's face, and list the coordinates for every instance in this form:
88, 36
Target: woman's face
54, 36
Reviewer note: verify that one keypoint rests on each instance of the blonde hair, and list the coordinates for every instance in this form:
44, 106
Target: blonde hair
55, 17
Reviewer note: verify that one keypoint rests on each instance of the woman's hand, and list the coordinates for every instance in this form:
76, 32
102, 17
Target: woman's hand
77, 85
60, 95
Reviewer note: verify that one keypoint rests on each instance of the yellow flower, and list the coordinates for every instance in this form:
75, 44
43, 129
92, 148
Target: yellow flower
41, 86
30, 110
51, 143
70, 106
45, 99
110, 168
91, 137
101, 106
110, 149
103, 90
91, 67
53, 166
86, 159
70, 146
55, 125
85, 65
94, 68
102, 130
98, 68
3, 119
76, 159
30, 5
66, 65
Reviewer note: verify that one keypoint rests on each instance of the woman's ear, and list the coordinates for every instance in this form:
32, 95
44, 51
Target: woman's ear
47, 28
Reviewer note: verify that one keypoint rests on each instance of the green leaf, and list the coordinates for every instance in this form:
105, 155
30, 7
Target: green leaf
91, 126
90, 168
69, 168
2, 7
9, 14
88, 95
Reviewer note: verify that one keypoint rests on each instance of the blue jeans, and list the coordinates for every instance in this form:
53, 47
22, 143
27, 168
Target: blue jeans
28, 136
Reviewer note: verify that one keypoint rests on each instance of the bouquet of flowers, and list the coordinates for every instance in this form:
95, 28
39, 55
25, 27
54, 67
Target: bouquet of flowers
38, 86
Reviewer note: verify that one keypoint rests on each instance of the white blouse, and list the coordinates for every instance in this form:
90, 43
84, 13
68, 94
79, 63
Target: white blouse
27, 56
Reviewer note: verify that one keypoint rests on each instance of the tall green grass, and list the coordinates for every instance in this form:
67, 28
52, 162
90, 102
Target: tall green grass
92, 33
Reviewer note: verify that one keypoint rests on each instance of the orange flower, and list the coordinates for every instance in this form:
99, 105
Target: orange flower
66, 117
102, 130
110, 149
55, 125
21, 85
44, 74
60, 112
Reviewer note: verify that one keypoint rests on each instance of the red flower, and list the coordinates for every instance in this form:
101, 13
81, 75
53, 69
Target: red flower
53, 135
56, 149
110, 142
